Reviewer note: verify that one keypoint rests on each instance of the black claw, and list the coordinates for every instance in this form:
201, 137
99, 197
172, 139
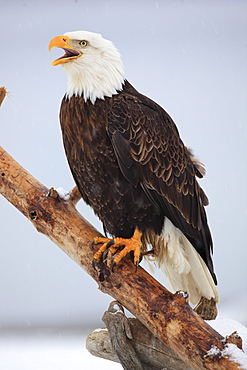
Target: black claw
110, 243
94, 264
137, 265
112, 266
91, 244
104, 255
101, 277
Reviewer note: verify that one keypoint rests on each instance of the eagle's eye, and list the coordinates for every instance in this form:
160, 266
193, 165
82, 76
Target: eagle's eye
83, 43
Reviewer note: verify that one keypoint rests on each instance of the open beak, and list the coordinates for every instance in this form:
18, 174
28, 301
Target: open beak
70, 52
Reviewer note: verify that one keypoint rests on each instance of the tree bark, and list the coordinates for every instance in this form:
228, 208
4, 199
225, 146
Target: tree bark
166, 315
121, 337
123, 332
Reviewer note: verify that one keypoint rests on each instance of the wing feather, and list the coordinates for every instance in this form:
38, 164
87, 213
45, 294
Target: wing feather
150, 152
148, 142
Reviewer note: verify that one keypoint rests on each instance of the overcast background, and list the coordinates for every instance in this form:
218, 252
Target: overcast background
190, 57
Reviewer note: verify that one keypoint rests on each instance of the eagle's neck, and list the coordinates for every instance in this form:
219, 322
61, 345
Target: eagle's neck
97, 81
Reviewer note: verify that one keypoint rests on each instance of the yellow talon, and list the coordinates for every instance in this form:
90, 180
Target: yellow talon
114, 250
99, 253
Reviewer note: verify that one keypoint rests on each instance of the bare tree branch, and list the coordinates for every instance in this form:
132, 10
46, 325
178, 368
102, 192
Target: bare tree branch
153, 354
166, 315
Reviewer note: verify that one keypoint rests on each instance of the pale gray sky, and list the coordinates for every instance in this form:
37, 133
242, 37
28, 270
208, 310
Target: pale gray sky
190, 57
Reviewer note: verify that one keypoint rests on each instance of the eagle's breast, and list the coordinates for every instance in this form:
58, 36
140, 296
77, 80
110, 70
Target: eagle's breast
119, 204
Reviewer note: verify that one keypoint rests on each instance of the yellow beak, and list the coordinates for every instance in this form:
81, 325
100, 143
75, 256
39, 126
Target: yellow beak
64, 43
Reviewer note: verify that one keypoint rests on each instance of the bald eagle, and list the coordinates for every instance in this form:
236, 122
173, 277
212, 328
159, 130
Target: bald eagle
132, 168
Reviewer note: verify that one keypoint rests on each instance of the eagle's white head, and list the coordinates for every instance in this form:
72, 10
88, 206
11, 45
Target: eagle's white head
94, 66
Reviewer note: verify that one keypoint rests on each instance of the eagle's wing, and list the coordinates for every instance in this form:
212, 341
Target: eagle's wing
150, 152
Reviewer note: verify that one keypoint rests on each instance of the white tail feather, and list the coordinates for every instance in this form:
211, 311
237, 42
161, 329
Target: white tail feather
183, 266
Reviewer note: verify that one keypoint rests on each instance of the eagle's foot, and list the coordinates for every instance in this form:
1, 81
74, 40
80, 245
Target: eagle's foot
206, 308
114, 250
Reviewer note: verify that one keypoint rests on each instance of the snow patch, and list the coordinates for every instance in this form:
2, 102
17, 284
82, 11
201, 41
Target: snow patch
117, 309
183, 294
63, 194
100, 329
226, 327
214, 351
235, 354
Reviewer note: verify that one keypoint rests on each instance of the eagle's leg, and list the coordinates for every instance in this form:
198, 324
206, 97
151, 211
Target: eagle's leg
118, 248
206, 308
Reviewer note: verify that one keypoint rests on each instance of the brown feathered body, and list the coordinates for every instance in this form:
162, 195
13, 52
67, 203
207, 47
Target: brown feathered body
132, 168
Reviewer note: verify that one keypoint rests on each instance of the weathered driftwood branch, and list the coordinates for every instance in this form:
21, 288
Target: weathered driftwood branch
167, 316
121, 337
150, 351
